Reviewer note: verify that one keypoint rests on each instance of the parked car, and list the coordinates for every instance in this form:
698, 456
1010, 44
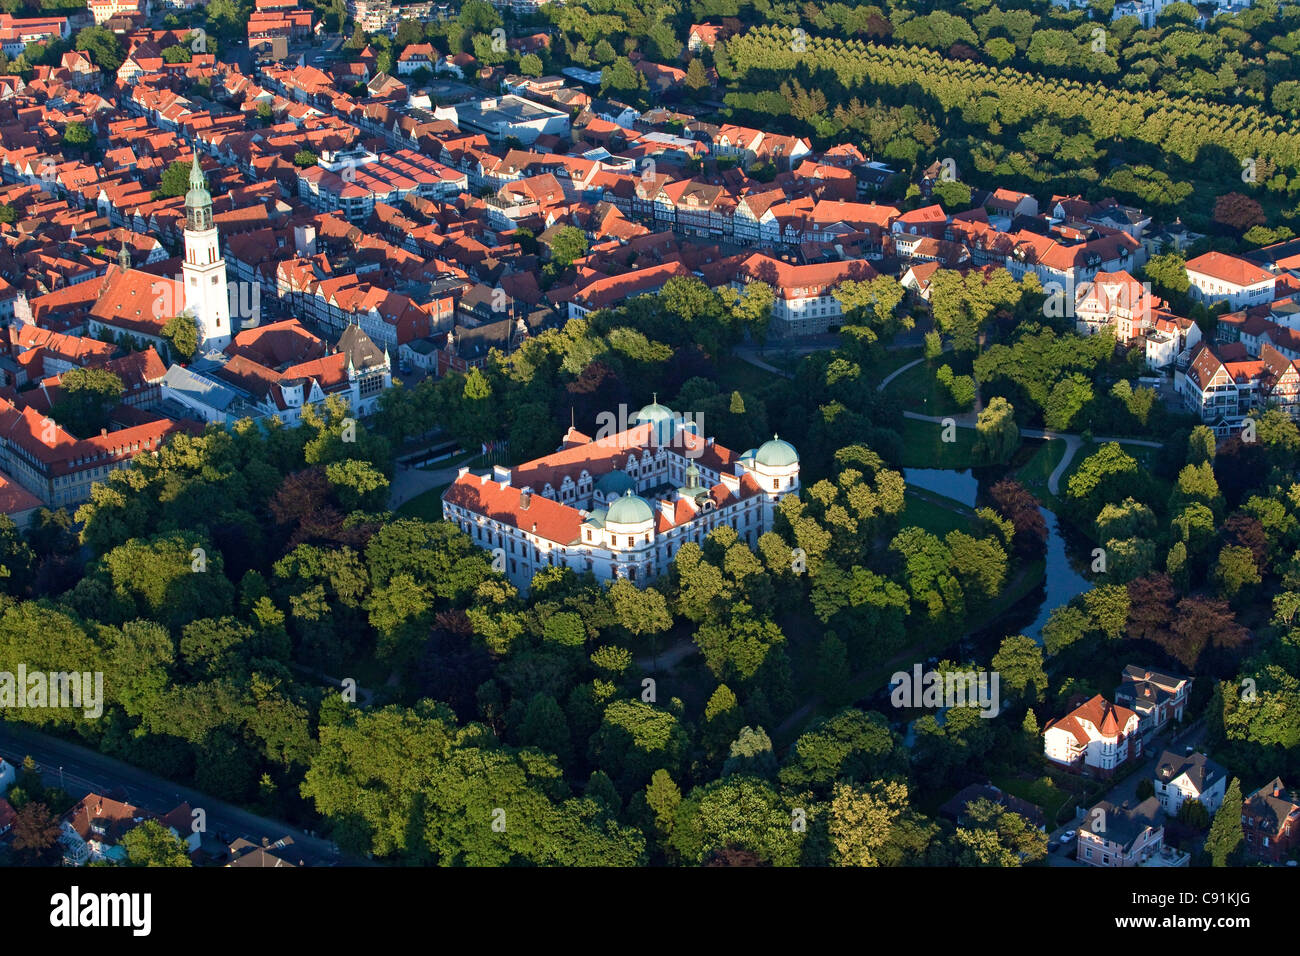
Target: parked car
1067, 837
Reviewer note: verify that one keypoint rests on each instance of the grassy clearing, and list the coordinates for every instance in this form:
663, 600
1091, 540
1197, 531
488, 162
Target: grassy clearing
1035, 472
935, 513
921, 392
737, 375
426, 505
879, 371
1042, 793
924, 447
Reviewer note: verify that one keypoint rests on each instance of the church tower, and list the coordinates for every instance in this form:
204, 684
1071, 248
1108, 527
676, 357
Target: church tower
206, 296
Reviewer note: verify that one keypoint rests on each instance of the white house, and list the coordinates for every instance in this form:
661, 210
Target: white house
1181, 777
1096, 737
1219, 277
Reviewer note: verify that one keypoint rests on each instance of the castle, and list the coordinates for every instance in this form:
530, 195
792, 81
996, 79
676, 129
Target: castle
621, 505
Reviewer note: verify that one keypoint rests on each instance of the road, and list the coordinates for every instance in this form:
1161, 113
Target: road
80, 771
409, 483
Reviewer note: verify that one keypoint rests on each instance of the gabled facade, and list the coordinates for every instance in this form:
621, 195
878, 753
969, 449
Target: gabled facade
1096, 737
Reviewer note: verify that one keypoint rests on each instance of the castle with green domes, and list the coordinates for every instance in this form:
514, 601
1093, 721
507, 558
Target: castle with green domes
620, 505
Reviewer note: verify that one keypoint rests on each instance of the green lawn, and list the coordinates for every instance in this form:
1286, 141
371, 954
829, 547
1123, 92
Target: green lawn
934, 513
877, 371
737, 375
426, 505
921, 392
1034, 473
924, 447
1042, 793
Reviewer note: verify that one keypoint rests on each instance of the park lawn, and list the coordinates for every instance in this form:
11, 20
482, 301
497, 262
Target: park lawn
737, 375
935, 513
876, 372
1035, 472
924, 447
426, 505
920, 391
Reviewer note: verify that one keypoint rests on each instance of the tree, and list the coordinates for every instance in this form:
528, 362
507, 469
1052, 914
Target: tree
634, 740
1015, 503
1108, 607
358, 484
663, 797
861, 819
88, 395
1225, 832
1019, 662
1237, 211
996, 433
697, 78
152, 844
530, 64
182, 334
77, 136
568, 243
175, 180
103, 47
737, 813
304, 158
36, 835
994, 836
1235, 571
833, 672
751, 754
1065, 626
1192, 813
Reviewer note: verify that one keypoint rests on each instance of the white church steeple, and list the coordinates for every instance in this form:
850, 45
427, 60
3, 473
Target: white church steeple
206, 295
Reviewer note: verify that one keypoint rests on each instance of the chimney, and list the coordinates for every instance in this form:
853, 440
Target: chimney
525, 498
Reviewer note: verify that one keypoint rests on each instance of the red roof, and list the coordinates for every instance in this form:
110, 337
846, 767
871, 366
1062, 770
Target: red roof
1229, 269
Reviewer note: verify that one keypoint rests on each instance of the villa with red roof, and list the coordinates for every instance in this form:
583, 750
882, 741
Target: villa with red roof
1097, 737
621, 505
1219, 277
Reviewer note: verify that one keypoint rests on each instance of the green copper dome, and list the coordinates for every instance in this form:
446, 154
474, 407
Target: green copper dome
630, 509
776, 454
615, 482
661, 416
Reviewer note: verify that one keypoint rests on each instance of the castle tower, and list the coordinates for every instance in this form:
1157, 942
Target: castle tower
206, 295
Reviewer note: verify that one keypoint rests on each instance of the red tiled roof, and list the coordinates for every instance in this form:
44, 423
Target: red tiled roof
1230, 269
